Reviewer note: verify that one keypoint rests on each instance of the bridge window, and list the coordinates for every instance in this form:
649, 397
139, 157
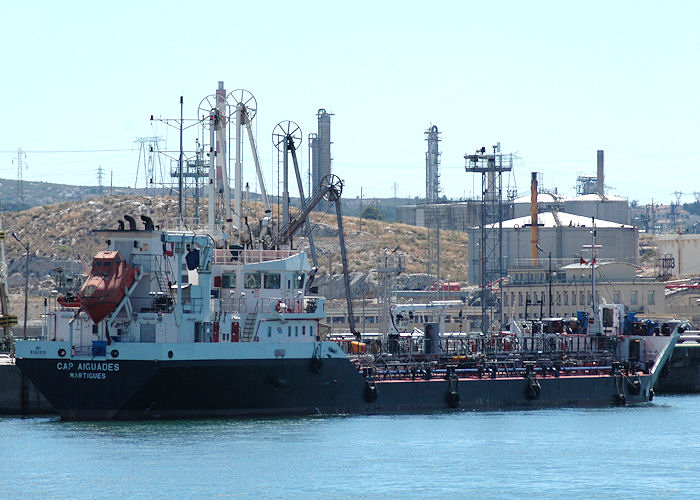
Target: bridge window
228, 280
272, 280
299, 280
251, 280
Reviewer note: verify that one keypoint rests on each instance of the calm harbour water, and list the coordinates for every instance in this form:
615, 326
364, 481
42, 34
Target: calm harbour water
641, 452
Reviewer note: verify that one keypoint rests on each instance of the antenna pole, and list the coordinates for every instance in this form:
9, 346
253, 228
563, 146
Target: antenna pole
179, 171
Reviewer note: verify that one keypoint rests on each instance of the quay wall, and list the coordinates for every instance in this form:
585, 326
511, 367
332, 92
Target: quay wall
18, 396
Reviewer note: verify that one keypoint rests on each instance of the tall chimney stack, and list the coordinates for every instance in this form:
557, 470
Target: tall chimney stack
600, 176
534, 235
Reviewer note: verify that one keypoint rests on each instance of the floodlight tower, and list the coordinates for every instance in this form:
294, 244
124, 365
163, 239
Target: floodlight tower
492, 267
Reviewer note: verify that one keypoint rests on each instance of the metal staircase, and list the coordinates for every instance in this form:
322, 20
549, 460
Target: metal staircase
249, 327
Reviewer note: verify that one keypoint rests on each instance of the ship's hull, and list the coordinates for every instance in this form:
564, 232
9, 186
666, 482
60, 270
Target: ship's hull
150, 389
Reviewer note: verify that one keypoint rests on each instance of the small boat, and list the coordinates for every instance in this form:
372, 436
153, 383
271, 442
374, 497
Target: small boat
105, 288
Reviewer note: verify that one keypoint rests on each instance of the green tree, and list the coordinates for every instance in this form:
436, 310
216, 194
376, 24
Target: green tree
371, 212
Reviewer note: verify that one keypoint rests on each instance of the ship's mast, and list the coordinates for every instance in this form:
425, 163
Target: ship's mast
593, 247
222, 181
180, 219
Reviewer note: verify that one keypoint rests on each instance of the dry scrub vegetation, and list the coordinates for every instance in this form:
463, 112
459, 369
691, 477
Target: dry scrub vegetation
64, 230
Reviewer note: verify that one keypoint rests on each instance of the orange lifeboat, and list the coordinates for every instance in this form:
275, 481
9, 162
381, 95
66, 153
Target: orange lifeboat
110, 278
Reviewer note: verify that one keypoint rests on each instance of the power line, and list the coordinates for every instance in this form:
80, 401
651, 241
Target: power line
70, 151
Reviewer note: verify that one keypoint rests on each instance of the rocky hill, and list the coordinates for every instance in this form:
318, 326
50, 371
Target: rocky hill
57, 234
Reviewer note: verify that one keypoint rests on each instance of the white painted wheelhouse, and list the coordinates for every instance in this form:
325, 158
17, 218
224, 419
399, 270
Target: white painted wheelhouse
189, 292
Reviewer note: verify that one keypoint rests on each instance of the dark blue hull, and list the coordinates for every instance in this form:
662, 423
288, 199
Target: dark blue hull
218, 388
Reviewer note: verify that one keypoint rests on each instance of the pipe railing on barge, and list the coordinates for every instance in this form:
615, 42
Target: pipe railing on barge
417, 371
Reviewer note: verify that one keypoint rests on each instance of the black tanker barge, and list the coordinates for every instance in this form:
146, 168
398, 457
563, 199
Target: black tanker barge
222, 322
235, 333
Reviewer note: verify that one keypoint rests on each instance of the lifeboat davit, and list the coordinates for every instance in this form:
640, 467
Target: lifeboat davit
110, 278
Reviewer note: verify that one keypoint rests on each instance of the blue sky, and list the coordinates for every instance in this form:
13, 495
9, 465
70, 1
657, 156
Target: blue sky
552, 81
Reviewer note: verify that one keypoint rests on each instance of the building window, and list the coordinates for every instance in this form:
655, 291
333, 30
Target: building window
505, 299
616, 298
633, 297
573, 298
558, 298
582, 298
520, 298
512, 298
590, 298
566, 298
651, 298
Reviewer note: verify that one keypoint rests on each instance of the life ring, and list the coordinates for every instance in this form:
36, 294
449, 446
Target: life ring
278, 306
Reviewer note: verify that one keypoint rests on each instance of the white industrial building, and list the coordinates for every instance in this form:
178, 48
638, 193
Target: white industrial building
604, 207
545, 203
561, 235
526, 291
681, 251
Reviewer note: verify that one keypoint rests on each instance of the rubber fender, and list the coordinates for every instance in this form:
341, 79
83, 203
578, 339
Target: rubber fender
316, 364
619, 399
533, 390
452, 399
371, 392
634, 387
